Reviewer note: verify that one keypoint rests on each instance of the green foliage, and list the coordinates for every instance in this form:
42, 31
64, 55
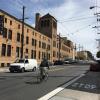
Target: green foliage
98, 54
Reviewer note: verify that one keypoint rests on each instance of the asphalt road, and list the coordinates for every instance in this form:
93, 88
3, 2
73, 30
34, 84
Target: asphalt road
24, 86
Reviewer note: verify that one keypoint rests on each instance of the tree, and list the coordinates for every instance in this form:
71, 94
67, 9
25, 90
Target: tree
98, 54
90, 56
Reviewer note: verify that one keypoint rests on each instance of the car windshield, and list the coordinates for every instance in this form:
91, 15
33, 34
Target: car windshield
19, 61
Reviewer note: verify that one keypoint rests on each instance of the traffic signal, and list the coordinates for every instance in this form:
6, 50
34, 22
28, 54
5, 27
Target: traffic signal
1, 24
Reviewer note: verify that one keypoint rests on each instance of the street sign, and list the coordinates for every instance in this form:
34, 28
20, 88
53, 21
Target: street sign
1, 24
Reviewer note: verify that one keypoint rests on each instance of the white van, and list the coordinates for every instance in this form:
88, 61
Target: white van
21, 65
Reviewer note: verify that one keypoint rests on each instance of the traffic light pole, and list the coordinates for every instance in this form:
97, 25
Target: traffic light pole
22, 38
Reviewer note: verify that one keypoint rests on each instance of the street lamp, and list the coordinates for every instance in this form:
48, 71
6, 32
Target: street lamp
92, 7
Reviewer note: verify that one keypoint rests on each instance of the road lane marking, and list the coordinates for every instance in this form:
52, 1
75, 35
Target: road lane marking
56, 69
54, 92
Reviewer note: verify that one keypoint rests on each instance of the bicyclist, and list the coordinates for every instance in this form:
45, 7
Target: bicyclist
43, 67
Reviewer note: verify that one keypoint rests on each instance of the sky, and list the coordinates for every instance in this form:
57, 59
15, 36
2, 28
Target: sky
74, 18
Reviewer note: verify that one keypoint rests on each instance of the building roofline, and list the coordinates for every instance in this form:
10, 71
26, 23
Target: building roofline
2, 11
49, 16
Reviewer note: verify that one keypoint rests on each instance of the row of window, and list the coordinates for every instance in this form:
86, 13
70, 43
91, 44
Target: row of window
65, 49
45, 23
8, 34
5, 20
56, 54
6, 51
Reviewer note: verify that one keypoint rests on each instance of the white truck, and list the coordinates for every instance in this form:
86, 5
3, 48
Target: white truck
21, 65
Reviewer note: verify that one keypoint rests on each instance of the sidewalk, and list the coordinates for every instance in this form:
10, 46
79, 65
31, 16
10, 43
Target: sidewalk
84, 87
4, 69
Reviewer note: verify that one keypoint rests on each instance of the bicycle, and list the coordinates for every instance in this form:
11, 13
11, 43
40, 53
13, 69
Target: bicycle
43, 76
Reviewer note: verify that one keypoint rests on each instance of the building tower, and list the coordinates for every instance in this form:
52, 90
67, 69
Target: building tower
47, 25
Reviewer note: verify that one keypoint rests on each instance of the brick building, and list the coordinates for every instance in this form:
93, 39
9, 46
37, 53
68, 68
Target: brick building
39, 42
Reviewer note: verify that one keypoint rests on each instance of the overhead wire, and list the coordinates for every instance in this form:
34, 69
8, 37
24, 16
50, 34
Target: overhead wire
78, 19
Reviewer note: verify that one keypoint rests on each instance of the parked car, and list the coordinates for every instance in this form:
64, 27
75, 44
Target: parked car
21, 65
95, 66
58, 62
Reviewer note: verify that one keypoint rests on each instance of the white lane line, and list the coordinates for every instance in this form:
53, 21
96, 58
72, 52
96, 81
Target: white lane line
54, 92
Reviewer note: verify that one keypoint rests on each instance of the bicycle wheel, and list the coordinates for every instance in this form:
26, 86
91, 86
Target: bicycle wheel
46, 77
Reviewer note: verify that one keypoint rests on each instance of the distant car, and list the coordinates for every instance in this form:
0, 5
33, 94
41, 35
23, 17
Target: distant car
58, 62
70, 61
66, 62
21, 65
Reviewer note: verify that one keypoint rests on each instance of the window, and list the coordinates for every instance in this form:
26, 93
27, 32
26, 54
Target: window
54, 54
10, 22
33, 54
43, 55
27, 40
39, 44
3, 52
54, 43
17, 51
26, 50
34, 51
44, 45
33, 32
19, 26
5, 33
39, 54
9, 50
10, 34
5, 20
26, 61
48, 47
34, 42
18, 37
8, 64
2, 64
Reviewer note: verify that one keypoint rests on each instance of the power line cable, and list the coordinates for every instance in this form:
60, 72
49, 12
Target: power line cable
79, 19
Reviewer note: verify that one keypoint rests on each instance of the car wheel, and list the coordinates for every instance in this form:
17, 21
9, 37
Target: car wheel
34, 69
23, 70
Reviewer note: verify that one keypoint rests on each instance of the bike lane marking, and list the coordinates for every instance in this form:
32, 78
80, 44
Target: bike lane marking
54, 92
84, 85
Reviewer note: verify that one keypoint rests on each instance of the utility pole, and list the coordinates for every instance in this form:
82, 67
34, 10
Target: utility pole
98, 24
59, 47
74, 49
22, 38
79, 51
